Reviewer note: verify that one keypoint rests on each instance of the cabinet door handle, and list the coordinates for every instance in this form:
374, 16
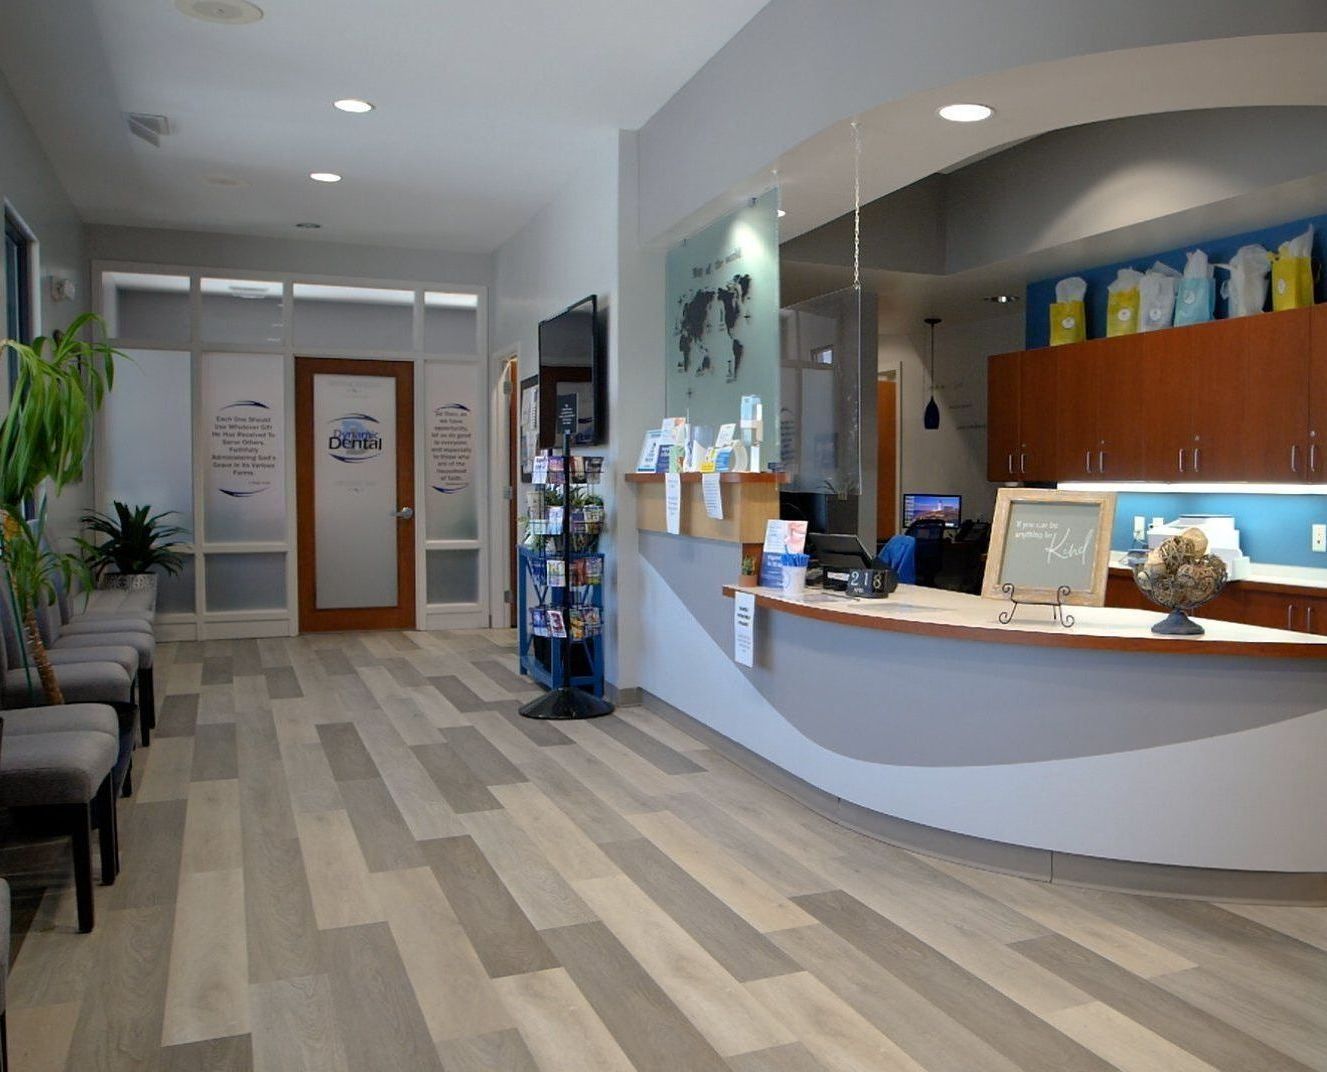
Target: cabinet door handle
1290, 617
1294, 457
1101, 461
1313, 457
1308, 618
1023, 462
1196, 456
1181, 459
1087, 460
1011, 464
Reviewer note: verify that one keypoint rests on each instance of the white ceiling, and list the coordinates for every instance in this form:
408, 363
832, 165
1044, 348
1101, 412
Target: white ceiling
485, 109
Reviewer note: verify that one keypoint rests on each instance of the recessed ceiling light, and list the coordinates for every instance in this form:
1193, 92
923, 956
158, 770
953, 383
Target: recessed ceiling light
1003, 299
966, 113
309, 226
225, 12
353, 104
782, 212
324, 176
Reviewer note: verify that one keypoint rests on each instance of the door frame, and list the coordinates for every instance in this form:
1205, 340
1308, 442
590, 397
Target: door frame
403, 615
502, 615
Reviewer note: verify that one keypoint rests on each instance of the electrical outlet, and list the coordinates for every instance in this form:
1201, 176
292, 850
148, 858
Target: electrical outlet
1139, 527
1320, 537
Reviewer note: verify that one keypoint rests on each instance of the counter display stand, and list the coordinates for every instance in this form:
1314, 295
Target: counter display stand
559, 593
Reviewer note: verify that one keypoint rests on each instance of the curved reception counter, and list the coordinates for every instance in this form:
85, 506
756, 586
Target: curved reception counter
1099, 755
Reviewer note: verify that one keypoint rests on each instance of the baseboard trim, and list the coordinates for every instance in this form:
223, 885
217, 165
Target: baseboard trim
631, 696
1042, 865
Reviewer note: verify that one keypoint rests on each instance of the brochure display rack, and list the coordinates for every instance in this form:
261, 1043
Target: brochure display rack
559, 593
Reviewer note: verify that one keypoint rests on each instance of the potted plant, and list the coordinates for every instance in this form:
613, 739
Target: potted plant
135, 542
60, 384
747, 578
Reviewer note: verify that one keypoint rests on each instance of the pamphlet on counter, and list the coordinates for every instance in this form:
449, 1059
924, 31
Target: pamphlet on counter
780, 536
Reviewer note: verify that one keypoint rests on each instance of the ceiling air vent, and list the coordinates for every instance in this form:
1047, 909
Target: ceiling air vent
151, 128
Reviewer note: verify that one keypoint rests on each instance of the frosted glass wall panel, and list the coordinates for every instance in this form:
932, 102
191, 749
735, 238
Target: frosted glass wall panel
246, 582
354, 490
175, 595
453, 577
146, 450
147, 307
241, 311
451, 323
244, 447
452, 400
353, 318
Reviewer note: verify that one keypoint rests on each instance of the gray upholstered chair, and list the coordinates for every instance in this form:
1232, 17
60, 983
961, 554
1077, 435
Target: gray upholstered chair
68, 774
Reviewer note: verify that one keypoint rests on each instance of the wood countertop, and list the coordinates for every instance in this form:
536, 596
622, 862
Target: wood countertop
938, 613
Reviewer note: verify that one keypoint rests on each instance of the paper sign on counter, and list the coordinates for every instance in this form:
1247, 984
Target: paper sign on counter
673, 501
713, 490
744, 628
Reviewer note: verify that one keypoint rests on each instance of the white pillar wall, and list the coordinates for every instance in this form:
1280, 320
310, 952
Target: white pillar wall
194, 335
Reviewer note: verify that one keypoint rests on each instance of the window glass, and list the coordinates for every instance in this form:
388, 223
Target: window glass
451, 323
453, 577
353, 318
246, 311
147, 453
246, 582
452, 399
147, 307
244, 447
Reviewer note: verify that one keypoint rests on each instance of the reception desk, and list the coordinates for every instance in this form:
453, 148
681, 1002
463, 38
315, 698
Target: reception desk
1099, 755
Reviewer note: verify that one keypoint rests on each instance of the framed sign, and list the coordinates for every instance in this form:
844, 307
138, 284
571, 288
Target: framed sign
529, 425
1044, 542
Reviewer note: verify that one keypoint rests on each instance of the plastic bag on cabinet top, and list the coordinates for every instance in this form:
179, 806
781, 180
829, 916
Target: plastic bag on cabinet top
1122, 303
1156, 297
1246, 289
1195, 299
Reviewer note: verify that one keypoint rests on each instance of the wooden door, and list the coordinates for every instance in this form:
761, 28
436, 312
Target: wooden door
1038, 402
1162, 390
1318, 394
886, 459
1276, 396
1002, 405
1216, 361
1116, 367
355, 493
1077, 438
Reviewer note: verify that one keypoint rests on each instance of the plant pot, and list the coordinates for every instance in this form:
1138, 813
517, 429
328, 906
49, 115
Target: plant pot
128, 582
746, 580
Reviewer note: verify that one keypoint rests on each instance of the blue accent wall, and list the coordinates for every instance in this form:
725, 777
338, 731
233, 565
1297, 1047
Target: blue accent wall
1219, 250
1274, 529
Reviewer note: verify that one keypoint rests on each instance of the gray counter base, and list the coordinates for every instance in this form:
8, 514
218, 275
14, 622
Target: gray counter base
1041, 865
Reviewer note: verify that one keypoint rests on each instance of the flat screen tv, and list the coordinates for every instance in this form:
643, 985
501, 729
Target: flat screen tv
946, 508
571, 380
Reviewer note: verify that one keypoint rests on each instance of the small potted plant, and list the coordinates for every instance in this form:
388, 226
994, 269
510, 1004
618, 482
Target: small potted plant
747, 578
135, 542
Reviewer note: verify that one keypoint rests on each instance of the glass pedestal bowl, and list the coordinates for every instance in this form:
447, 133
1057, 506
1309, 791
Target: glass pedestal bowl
1180, 586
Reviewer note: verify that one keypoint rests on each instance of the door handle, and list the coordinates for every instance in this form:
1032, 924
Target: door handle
1313, 457
1290, 617
1294, 457
1308, 618
404, 514
1023, 462
1101, 462
1181, 459
1087, 460
1011, 464
1196, 455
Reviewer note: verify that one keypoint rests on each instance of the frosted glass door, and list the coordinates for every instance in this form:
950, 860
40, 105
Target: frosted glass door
354, 488
355, 492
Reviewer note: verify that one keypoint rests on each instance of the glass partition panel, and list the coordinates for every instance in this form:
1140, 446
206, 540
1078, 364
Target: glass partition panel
244, 447
451, 323
246, 311
453, 577
246, 581
147, 307
175, 595
353, 318
723, 321
452, 396
146, 455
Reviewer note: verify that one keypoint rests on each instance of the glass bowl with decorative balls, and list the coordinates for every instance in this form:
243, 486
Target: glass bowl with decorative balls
1181, 576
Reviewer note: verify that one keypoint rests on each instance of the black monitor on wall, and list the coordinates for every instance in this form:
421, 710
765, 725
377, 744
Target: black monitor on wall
571, 379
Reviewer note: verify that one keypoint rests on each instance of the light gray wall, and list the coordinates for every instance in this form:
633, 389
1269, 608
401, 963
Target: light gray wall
29, 185
1085, 181
797, 68
952, 458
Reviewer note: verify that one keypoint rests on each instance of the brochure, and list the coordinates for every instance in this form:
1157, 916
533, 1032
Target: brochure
649, 451
780, 536
557, 573
557, 626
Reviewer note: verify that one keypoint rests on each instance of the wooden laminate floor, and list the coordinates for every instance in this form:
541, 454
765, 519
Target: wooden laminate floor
348, 853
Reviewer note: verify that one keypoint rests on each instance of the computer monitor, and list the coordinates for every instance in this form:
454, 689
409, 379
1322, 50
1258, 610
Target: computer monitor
923, 507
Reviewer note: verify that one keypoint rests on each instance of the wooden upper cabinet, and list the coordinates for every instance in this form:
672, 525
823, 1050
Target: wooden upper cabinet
1038, 402
1276, 396
1077, 435
1317, 437
1117, 366
1002, 408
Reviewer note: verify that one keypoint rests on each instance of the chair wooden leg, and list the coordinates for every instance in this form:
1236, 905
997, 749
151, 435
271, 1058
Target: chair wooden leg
80, 829
147, 702
108, 832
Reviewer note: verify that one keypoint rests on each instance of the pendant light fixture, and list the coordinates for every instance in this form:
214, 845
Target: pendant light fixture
931, 416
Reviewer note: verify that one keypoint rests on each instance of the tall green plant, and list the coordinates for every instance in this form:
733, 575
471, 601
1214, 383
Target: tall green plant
62, 381
133, 541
